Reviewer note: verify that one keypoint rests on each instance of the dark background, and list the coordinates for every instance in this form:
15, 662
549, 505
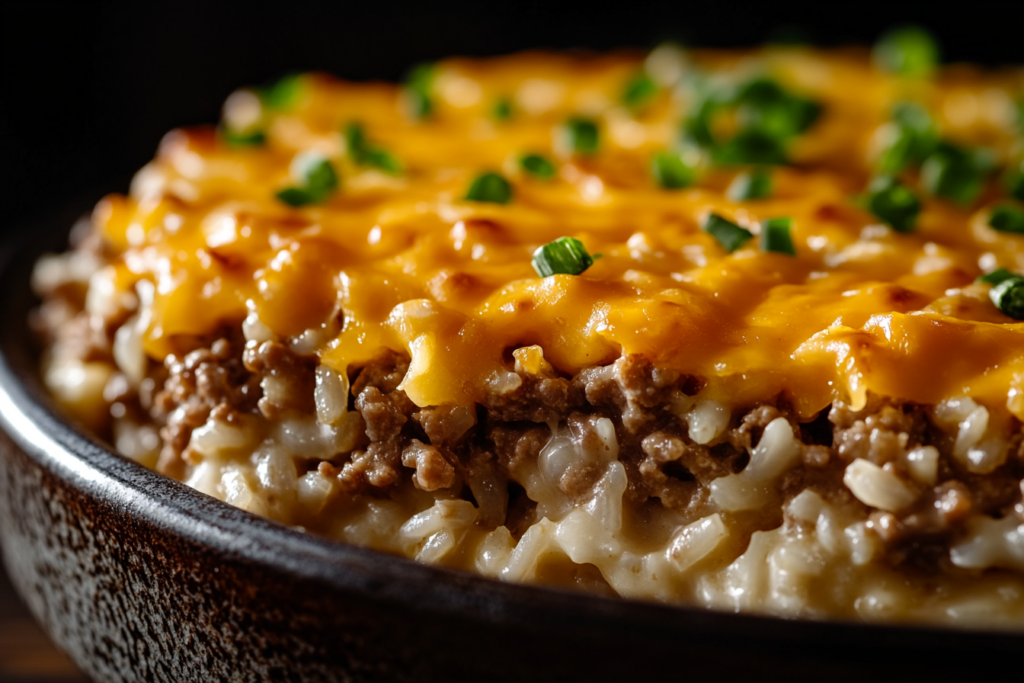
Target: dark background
88, 90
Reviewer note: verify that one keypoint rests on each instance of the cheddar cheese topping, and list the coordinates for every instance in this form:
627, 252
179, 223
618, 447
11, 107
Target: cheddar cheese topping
426, 243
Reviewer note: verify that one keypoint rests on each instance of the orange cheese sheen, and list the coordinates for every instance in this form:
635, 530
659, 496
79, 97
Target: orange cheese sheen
414, 267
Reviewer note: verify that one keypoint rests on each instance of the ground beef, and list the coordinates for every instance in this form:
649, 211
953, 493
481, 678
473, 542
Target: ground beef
538, 399
287, 379
637, 390
480, 452
205, 380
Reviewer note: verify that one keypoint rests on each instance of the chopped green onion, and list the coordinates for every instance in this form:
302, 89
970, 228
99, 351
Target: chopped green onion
996, 276
893, 203
697, 125
502, 110
1008, 296
671, 172
284, 94
538, 166
775, 236
566, 255
581, 135
768, 115
753, 184
908, 51
355, 140
419, 83
916, 137
728, 234
639, 91
490, 187
296, 196
250, 139
766, 106
377, 157
1006, 218
951, 172
315, 180
750, 146
1015, 182
366, 154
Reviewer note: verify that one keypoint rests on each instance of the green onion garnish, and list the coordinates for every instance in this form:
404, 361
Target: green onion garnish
1015, 182
996, 276
1006, 218
728, 234
775, 236
908, 51
581, 135
250, 139
502, 110
916, 138
750, 147
537, 165
768, 115
364, 153
1008, 296
893, 203
671, 172
315, 180
753, 184
952, 173
639, 91
284, 94
490, 187
566, 255
764, 105
698, 122
377, 157
418, 87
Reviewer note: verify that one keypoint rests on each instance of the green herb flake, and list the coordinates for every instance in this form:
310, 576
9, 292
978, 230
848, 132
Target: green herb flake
1015, 182
253, 138
996, 276
362, 152
907, 51
284, 95
671, 171
1006, 218
639, 91
315, 180
915, 138
750, 147
581, 135
893, 203
776, 236
538, 166
566, 255
490, 187
418, 90
502, 109
953, 174
1008, 296
753, 184
764, 105
728, 234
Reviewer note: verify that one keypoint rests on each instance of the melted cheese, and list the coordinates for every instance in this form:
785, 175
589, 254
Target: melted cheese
418, 269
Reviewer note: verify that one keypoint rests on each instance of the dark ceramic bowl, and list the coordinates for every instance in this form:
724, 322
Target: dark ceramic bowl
139, 578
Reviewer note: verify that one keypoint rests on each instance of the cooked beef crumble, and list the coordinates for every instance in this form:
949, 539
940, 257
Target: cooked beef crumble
481, 451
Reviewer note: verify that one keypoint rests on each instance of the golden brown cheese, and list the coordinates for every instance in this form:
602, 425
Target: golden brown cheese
419, 269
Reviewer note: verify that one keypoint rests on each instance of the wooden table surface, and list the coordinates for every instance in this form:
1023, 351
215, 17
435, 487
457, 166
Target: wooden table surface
26, 653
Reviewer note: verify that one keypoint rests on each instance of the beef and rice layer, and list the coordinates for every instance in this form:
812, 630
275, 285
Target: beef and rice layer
738, 330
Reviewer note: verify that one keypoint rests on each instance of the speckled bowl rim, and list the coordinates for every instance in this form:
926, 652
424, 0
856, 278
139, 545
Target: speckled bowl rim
86, 464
